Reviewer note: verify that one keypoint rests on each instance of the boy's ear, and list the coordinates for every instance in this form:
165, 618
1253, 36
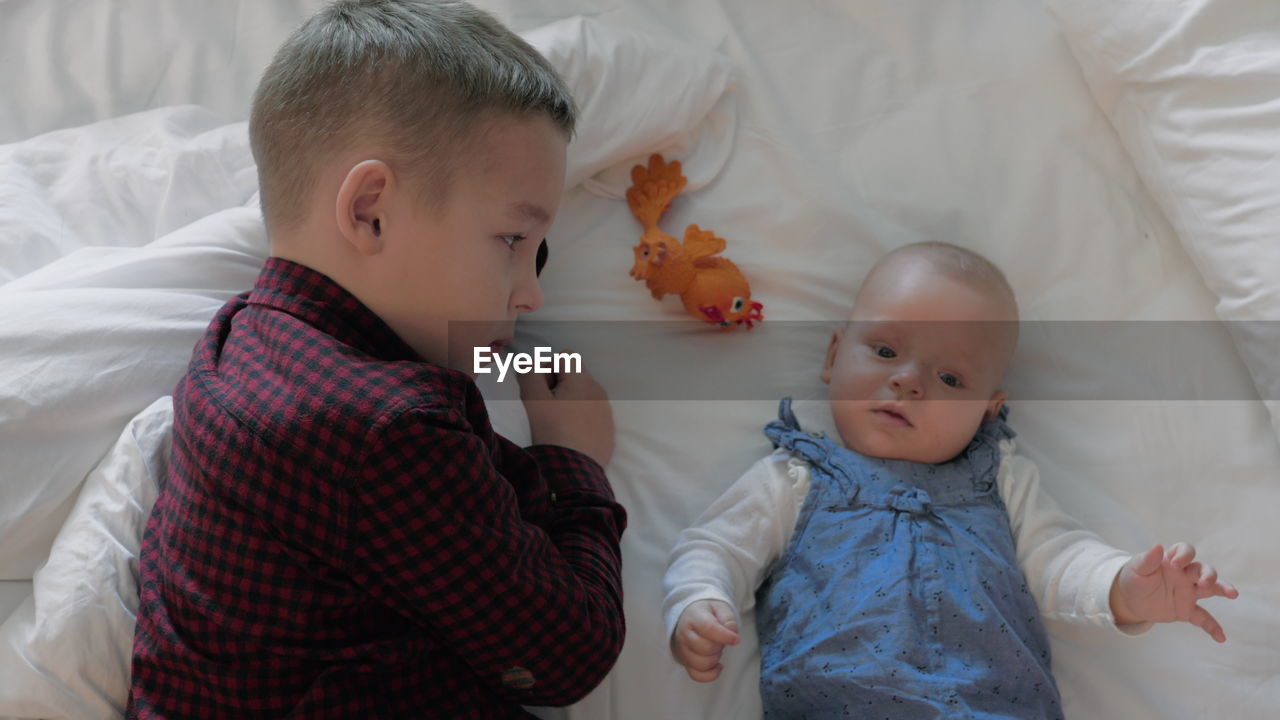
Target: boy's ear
363, 203
994, 404
830, 362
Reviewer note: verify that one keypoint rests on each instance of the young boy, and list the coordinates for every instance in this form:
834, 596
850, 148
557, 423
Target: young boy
886, 570
342, 534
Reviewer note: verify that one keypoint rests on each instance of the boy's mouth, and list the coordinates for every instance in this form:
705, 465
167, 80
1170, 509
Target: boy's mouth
497, 346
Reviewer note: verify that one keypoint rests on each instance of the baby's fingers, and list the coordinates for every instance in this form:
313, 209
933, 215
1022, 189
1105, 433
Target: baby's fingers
1203, 620
724, 629
704, 676
716, 633
1180, 555
1182, 588
702, 667
1207, 584
695, 642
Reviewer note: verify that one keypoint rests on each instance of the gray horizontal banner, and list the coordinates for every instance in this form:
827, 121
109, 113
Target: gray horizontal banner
1055, 360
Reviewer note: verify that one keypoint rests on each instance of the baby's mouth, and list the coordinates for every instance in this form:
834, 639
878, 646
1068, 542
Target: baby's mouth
892, 416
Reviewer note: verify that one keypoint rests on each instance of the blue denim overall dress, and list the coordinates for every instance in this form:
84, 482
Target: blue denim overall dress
899, 595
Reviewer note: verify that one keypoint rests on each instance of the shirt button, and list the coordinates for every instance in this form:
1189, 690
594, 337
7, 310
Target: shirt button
818, 434
517, 678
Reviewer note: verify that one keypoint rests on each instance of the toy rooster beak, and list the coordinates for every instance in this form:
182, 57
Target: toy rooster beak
756, 315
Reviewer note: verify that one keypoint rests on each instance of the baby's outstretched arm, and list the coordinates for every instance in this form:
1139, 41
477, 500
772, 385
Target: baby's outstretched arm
703, 631
718, 563
1165, 586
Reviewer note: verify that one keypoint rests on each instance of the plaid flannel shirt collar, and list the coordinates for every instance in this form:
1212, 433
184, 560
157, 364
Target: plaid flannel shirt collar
317, 300
325, 305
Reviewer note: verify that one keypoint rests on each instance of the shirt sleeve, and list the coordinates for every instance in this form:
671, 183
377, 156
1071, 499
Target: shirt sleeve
534, 607
730, 548
1069, 569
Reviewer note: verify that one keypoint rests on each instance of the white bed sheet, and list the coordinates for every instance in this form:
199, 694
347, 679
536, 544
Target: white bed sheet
12, 593
863, 126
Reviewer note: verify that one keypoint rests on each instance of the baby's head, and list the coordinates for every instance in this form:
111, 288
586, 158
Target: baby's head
919, 365
414, 152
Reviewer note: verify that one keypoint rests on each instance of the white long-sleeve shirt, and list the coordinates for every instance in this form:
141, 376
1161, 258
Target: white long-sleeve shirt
726, 554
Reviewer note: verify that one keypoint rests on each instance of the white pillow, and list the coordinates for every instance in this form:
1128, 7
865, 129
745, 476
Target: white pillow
639, 94
1193, 89
125, 181
87, 342
65, 652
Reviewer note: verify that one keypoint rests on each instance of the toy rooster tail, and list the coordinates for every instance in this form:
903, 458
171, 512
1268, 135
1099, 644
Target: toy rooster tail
653, 188
701, 244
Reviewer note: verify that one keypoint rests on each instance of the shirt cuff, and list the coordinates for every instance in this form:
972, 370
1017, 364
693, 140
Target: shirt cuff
566, 469
574, 482
1098, 603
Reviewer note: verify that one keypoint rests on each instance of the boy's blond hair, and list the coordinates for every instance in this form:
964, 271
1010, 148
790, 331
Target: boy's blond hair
418, 79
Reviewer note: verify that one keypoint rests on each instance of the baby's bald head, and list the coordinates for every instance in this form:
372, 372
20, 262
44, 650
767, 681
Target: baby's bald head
958, 263
914, 267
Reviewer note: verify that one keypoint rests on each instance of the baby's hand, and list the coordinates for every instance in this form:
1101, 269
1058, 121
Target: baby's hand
1164, 586
702, 631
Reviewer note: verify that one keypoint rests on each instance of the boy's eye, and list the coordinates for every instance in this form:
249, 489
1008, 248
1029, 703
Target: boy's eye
541, 260
949, 380
885, 351
511, 240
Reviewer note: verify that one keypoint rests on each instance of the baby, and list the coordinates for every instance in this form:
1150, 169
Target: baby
887, 570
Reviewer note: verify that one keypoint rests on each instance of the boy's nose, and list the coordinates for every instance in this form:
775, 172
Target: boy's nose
527, 294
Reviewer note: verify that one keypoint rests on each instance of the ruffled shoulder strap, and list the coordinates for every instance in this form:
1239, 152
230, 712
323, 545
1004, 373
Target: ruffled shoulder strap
785, 423
785, 432
984, 450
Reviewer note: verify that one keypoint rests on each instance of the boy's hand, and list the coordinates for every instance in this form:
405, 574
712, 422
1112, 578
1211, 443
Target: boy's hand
702, 631
585, 425
1164, 586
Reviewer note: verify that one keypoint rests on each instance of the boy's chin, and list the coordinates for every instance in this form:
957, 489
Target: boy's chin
465, 355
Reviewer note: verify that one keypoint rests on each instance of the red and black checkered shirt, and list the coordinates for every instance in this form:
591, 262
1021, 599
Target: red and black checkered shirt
343, 535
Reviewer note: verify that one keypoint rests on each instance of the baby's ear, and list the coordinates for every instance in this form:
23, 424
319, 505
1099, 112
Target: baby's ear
994, 404
830, 361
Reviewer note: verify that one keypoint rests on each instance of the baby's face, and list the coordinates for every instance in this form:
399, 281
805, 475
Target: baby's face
917, 369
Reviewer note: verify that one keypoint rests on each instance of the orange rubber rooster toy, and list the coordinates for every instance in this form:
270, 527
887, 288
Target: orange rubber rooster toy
712, 288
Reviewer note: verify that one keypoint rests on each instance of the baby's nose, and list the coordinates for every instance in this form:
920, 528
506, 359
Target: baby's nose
906, 383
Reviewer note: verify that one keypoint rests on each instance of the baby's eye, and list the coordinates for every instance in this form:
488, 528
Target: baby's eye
511, 240
949, 380
885, 351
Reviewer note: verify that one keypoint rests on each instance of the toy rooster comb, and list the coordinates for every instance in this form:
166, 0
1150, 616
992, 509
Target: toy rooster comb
712, 288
